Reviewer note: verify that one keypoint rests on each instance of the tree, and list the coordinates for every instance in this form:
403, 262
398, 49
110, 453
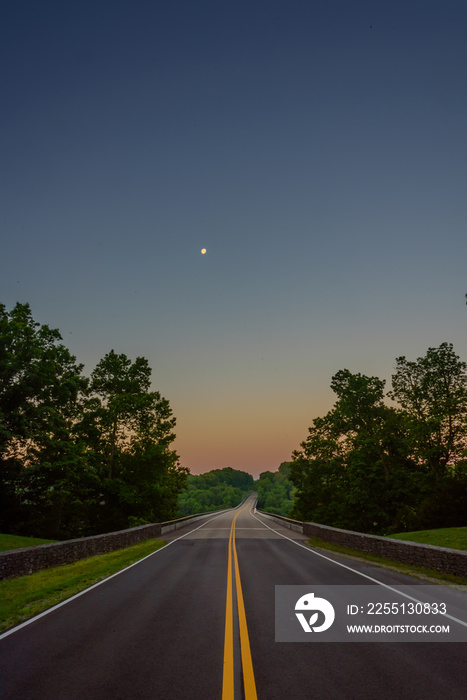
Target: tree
131, 429
433, 391
124, 409
318, 473
370, 467
151, 481
41, 390
275, 491
355, 464
79, 456
37, 374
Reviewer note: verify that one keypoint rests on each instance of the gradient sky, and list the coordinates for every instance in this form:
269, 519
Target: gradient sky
316, 149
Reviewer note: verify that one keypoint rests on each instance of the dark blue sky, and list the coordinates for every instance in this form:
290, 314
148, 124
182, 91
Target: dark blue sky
317, 150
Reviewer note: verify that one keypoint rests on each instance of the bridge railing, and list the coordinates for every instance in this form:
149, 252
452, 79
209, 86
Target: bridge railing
442, 559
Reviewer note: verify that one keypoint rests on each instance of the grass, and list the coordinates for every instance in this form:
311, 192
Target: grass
410, 570
16, 542
453, 537
26, 596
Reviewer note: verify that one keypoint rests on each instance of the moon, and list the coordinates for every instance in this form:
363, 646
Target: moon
203, 251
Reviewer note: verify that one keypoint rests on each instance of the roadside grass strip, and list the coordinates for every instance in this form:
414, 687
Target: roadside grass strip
26, 596
452, 537
8, 542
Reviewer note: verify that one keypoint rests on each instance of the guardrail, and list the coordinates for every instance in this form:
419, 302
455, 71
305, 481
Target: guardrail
27, 560
442, 559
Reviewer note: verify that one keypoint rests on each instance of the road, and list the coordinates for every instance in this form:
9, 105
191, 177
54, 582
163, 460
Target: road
196, 620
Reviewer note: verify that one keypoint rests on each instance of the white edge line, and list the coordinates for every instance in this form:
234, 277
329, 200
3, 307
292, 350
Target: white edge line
99, 583
344, 566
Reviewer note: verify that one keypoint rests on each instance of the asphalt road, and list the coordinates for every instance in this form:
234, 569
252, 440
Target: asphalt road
161, 630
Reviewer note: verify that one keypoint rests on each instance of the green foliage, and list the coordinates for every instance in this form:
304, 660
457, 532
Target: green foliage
41, 390
214, 490
366, 466
433, 392
79, 456
276, 491
130, 429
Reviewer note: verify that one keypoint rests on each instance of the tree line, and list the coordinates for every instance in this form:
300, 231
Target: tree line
381, 468
214, 490
79, 455
226, 488
82, 455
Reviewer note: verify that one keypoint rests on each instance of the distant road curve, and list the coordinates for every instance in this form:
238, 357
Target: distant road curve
196, 620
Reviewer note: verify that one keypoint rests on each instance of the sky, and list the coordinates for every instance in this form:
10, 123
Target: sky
316, 149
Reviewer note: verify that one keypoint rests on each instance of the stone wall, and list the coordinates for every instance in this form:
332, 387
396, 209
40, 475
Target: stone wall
20, 562
442, 559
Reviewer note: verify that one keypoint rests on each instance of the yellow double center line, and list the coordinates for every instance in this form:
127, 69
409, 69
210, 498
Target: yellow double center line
247, 665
